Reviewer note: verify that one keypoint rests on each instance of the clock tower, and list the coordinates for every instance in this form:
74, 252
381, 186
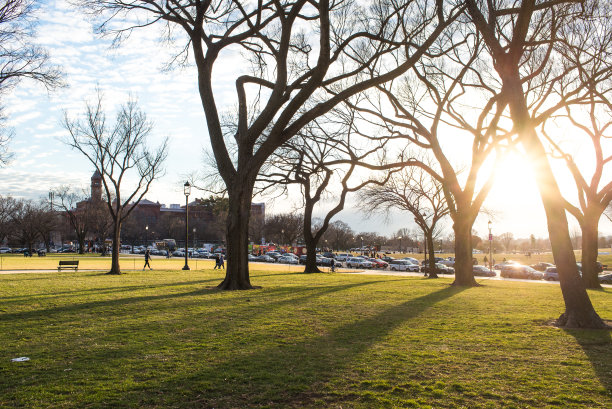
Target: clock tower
96, 186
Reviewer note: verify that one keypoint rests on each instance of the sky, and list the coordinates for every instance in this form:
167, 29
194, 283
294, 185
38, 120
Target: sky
42, 162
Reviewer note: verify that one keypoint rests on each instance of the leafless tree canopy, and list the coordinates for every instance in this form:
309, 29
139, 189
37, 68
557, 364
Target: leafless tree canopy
118, 152
20, 58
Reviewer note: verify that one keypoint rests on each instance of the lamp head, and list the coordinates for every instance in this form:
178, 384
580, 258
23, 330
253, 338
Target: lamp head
187, 189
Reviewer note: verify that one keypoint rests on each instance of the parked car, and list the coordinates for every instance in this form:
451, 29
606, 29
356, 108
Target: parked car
499, 266
482, 271
358, 262
387, 259
439, 268
605, 279
265, 258
5, 250
302, 259
343, 256
252, 257
411, 259
326, 261
520, 271
274, 254
403, 265
378, 263
450, 261
287, 260
329, 255
550, 274
541, 266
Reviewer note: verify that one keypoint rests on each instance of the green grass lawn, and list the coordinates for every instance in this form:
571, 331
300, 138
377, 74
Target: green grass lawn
162, 339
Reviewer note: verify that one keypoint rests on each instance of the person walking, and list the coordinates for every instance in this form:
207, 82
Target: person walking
147, 257
221, 262
217, 264
333, 265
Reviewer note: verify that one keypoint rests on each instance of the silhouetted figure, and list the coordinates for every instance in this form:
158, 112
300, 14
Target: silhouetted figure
147, 257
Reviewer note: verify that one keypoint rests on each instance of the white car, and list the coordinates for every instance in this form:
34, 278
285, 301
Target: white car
411, 259
358, 262
403, 265
449, 262
343, 256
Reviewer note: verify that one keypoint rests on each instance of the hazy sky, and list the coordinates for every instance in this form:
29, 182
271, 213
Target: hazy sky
42, 162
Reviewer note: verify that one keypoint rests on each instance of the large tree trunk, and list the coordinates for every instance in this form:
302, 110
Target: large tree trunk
311, 257
590, 247
579, 312
309, 239
464, 272
116, 246
237, 269
81, 240
432, 255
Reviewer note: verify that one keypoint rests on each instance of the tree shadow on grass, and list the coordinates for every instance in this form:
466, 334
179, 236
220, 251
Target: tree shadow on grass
290, 373
597, 345
91, 306
104, 290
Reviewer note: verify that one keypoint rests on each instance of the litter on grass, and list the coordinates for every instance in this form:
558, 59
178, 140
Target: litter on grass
20, 359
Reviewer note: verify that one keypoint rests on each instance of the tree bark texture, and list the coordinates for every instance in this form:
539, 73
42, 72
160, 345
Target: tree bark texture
579, 311
464, 273
115, 269
237, 269
431, 255
590, 248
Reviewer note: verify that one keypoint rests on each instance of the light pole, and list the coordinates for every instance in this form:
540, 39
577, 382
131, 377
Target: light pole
187, 191
361, 238
400, 239
194, 239
490, 247
146, 236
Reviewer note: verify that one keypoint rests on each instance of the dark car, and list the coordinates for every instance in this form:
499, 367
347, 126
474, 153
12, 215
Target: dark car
550, 274
387, 259
329, 255
605, 279
439, 269
520, 271
266, 259
541, 266
302, 259
482, 271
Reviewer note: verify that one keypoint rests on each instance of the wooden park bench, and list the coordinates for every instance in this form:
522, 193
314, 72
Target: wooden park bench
68, 264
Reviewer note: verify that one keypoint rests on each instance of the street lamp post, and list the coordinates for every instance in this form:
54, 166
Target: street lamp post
490, 247
146, 236
361, 238
187, 191
400, 239
194, 239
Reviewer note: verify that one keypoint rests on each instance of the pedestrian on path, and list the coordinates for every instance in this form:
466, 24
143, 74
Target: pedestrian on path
147, 257
221, 262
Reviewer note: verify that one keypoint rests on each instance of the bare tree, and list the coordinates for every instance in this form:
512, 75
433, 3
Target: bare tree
590, 52
25, 228
8, 207
20, 58
79, 218
521, 40
444, 97
506, 239
415, 191
118, 153
294, 77
322, 159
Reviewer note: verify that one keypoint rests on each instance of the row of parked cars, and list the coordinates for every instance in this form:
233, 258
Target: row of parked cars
541, 271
